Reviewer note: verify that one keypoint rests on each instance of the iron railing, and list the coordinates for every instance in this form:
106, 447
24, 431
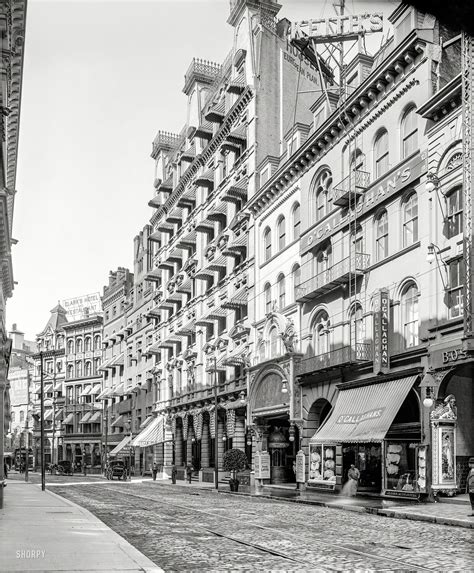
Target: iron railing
359, 352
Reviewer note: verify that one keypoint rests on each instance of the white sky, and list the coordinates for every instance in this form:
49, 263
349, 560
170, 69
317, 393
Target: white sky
100, 79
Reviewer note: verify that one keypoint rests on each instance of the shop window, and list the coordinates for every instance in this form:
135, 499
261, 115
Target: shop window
268, 297
410, 220
296, 221
281, 233
381, 236
409, 132
281, 291
454, 215
405, 467
410, 318
322, 461
455, 288
267, 244
381, 154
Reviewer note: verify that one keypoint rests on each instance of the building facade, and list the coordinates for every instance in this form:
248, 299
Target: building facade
375, 317
82, 413
12, 23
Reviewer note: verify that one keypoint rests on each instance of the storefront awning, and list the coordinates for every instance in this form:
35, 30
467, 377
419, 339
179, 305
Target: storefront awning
121, 446
366, 413
151, 435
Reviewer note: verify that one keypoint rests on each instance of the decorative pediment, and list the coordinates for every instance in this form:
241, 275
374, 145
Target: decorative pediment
221, 343
209, 348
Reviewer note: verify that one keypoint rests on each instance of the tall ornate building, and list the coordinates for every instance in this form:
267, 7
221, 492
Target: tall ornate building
12, 24
82, 413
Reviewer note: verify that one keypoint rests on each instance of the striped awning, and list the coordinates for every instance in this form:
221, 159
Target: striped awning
120, 421
366, 413
48, 415
58, 387
151, 435
95, 418
121, 446
116, 361
238, 357
237, 300
86, 390
69, 420
59, 415
146, 421
105, 364
214, 314
85, 419
104, 394
96, 389
117, 390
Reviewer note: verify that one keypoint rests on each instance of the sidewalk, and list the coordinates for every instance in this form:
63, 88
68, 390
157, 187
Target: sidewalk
40, 531
449, 512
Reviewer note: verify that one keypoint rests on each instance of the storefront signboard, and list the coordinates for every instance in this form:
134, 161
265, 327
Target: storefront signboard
381, 320
300, 467
448, 356
262, 465
397, 180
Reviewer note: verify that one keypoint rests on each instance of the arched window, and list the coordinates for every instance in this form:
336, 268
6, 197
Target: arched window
409, 132
357, 161
88, 369
268, 297
381, 154
381, 236
322, 259
281, 291
267, 244
321, 334
357, 326
97, 342
410, 319
410, 220
78, 369
296, 221
274, 343
320, 195
70, 371
78, 345
60, 342
70, 346
454, 212
281, 233
88, 344
296, 279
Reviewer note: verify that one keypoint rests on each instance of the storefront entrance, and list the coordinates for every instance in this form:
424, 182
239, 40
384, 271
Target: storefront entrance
368, 459
282, 445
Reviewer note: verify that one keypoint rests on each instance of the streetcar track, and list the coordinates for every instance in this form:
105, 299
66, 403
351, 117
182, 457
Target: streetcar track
332, 544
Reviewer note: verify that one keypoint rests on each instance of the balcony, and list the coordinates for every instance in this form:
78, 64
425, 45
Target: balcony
351, 188
339, 274
360, 352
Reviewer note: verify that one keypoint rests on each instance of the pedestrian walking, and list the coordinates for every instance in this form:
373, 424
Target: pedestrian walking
189, 472
154, 470
5, 469
470, 484
174, 473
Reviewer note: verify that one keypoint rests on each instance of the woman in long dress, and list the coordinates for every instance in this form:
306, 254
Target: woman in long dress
351, 486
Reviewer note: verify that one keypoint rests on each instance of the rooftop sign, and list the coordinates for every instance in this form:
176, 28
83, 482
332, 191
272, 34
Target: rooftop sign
82, 306
337, 28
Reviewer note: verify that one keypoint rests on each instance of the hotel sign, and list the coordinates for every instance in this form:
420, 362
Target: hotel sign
337, 28
82, 306
381, 322
381, 191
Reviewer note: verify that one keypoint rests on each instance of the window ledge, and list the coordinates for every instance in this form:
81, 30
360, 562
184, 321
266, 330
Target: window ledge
280, 252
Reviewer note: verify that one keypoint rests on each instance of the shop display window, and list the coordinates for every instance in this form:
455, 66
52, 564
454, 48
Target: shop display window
322, 462
405, 467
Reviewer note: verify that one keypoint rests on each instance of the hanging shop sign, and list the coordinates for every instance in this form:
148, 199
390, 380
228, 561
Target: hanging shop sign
262, 465
381, 321
393, 183
337, 28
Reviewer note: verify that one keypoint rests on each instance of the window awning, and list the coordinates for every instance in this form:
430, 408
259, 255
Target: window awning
95, 418
85, 418
86, 390
69, 420
121, 446
117, 390
151, 435
366, 413
95, 389
104, 394
58, 387
59, 415
48, 415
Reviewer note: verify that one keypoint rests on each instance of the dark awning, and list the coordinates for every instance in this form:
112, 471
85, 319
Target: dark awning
365, 414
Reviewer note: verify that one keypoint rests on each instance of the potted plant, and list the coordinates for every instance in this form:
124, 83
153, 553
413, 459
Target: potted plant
234, 460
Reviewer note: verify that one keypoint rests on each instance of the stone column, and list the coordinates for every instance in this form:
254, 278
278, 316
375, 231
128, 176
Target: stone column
220, 445
239, 435
189, 444
178, 446
205, 443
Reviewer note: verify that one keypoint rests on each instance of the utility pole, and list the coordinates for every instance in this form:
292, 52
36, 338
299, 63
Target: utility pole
216, 440
43, 468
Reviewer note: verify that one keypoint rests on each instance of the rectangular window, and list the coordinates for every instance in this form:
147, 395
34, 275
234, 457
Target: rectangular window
455, 288
454, 212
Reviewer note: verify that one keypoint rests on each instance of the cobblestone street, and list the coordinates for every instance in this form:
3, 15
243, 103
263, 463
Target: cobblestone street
189, 530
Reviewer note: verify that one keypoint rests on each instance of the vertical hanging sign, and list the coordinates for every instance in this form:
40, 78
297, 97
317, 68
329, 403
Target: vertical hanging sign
381, 322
